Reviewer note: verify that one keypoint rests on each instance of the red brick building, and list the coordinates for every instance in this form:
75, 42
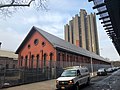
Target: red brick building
41, 49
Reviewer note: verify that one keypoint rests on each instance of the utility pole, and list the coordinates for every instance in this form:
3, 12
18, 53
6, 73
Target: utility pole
91, 65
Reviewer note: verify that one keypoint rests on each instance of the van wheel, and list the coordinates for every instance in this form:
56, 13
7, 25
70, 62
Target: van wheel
88, 81
76, 86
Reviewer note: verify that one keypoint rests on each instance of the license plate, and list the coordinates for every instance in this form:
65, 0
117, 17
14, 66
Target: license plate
62, 87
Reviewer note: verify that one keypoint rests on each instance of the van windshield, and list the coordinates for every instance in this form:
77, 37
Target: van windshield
69, 73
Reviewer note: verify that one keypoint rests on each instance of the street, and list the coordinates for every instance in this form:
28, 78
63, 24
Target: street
109, 82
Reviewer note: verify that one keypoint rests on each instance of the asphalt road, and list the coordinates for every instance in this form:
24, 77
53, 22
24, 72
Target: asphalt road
93, 82
109, 82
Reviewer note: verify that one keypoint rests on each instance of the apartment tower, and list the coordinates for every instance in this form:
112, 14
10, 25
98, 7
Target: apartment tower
82, 31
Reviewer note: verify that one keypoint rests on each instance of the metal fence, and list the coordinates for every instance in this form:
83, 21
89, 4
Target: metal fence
52, 70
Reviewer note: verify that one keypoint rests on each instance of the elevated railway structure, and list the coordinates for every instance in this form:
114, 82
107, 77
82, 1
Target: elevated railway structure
109, 11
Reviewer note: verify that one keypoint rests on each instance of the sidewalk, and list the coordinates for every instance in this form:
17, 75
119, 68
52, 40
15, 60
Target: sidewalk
44, 85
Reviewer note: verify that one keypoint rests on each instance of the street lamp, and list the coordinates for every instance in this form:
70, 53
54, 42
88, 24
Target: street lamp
91, 63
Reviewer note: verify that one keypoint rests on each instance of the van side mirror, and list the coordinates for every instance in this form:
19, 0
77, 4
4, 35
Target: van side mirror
78, 72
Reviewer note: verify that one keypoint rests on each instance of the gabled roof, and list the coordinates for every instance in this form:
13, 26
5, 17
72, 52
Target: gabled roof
8, 54
60, 43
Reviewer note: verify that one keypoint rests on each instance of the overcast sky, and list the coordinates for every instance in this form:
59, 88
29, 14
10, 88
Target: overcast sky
14, 29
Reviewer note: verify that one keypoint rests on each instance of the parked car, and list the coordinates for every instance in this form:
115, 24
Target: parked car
6, 84
101, 72
110, 70
115, 68
73, 78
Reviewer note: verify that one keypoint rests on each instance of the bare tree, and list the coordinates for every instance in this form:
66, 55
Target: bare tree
7, 7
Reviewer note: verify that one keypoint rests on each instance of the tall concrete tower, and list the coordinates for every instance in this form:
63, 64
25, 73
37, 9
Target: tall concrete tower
83, 16
82, 31
76, 30
67, 38
71, 31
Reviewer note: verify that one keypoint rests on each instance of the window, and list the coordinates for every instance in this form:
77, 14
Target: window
29, 46
37, 62
58, 57
32, 61
45, 56
69, 73
43, 44
63, 57
51, 58
26, 57
36, 41
67, 58
76, 58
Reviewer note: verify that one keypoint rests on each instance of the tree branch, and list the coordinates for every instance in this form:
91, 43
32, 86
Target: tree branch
8, 7
30, 2
12, 2
16, 5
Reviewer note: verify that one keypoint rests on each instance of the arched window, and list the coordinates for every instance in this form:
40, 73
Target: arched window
71, 58
44, 62
26, 57
67, 58
58, 59
51, 58
76, 58
63, 60
63, 57
32, 59
37, 61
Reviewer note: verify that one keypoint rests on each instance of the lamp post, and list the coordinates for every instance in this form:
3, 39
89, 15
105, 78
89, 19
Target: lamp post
91, 63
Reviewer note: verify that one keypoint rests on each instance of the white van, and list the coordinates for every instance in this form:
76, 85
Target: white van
73, 77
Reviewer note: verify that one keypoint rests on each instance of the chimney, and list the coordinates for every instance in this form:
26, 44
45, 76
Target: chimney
0, 44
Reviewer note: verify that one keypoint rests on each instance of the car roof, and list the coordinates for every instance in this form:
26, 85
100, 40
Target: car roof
75, 68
